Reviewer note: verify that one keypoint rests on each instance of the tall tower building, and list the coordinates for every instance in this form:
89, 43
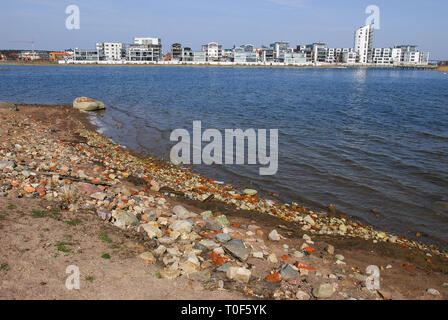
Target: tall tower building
363, 43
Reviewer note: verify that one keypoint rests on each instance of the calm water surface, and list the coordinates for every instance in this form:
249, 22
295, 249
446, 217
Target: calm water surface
360, 139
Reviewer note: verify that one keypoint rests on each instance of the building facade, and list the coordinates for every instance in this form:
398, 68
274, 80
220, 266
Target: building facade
213, 51
113, 51
88, 55
363, 43
176, 51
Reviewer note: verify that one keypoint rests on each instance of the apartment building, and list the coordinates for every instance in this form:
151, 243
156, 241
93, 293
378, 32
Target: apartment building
88, 55
280, 48
200, 56
187, 54
410, 55
145, 49
363, 43
213, 51
382, 56
349, 57
176, 51
295, 58
113, 51
266, 54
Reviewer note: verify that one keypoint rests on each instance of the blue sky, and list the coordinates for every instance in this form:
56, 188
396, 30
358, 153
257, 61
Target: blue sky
230, 22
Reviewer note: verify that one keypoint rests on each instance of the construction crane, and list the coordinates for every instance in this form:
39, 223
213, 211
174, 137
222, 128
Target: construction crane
26, 41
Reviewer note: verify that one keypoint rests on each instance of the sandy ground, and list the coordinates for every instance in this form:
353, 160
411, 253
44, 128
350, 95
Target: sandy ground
35, 251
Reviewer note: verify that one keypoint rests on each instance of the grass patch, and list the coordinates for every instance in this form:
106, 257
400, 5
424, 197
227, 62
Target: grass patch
46, 229
4, 267
105, 237
73, 222
89, 278
158, 275
62, 246
41, 214
114, 246
11, 206
105, 256
2, 216
38, 214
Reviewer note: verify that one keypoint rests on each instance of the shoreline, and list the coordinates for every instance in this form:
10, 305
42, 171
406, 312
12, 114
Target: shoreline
156, 179
408, 67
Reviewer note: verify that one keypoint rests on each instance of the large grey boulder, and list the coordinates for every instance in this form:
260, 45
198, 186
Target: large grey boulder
88, 104
8, 105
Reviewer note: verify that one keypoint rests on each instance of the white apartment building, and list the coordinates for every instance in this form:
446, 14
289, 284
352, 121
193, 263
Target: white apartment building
363, 43
295, 58
145, 49
382, 56
349, 57
112, 51
213, 51
148, 41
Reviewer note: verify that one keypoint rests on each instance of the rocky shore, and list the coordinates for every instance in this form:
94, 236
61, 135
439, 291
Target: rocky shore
182, 227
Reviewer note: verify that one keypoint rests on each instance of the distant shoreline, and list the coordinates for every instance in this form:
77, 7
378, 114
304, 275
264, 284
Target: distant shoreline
46, 63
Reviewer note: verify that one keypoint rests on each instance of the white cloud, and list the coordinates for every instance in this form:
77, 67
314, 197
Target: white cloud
289, 3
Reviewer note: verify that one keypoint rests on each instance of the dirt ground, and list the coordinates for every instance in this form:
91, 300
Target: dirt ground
36, 251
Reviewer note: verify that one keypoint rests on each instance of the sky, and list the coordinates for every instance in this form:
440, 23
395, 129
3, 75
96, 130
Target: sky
230, 22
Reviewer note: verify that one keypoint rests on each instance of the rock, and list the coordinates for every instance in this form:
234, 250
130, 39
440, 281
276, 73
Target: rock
324, 290
288, 273
152, 231
7, 165
223, 237
250, 192
87, 104
209, 244
182, 213
148, 257
98, 196
182, 226
225, 267
381, 235
238, 274
339, 257
8, 105
169, 273
329, 249
104, 214
188, 268
274, 236
222, 219
342, 227
258, 254
206, 215
272, 258
212, 225
201, 276
302, 295
155, 186
237, 248
160, 250
433, 292
127, 219
309, 220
